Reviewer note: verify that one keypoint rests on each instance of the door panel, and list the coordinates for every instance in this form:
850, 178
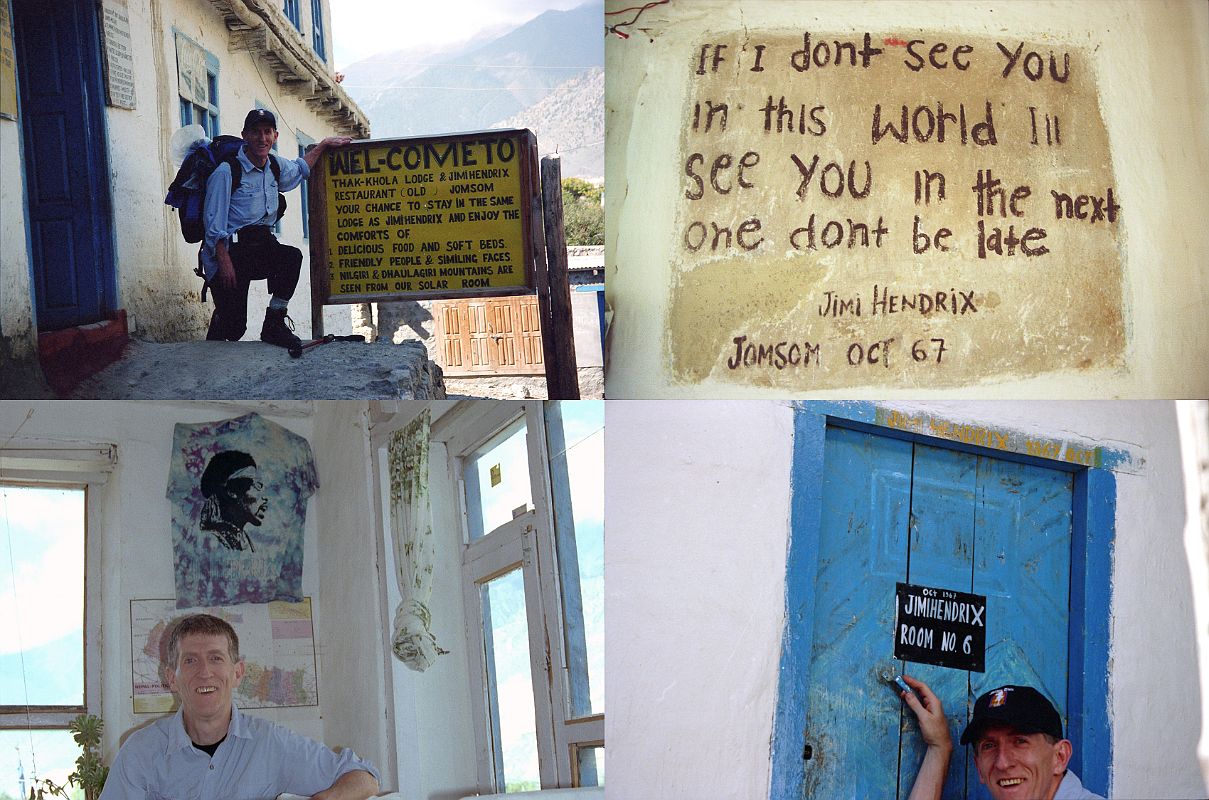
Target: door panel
489, 336
1022, 562
976, 524
853, 719
944, 485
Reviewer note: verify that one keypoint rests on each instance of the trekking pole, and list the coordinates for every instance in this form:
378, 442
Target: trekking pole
296, 352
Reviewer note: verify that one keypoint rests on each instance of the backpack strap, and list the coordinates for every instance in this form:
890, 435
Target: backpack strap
237, 170
237, 176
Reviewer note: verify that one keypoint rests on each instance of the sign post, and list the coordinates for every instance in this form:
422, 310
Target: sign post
554, 304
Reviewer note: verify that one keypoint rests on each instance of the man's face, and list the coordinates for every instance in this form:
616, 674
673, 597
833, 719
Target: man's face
1019, 766
259, 141
205, 675
249, 498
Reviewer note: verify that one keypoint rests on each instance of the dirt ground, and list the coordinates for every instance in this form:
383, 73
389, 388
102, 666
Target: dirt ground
258, 371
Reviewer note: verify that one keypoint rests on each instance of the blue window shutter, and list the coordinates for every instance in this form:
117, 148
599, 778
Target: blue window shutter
317, 37
303, 142
291, 12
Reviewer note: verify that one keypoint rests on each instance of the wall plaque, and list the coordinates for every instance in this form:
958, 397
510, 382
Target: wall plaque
119, 58
894, 210
939, 626
8, 65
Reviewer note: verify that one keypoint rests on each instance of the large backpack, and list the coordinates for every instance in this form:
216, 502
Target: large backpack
187, 192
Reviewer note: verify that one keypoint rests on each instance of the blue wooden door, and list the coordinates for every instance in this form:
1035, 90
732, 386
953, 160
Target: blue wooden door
894, 510
66, 167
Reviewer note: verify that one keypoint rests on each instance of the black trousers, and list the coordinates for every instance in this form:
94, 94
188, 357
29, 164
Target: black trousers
256, 256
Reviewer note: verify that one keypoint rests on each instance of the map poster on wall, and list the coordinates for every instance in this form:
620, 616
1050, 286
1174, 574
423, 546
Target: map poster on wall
883, 209
432, 217
276, 641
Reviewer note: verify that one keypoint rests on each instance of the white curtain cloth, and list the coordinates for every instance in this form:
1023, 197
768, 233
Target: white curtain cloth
411, 518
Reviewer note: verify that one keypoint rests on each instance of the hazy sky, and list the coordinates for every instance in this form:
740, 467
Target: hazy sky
362, 28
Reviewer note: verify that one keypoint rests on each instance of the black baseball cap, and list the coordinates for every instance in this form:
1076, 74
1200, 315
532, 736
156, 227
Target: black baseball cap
259, 116
1022, 707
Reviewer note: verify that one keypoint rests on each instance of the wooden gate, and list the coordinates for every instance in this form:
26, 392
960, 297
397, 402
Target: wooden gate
489, 336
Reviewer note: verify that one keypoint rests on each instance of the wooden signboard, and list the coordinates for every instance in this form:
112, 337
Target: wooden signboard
424, 218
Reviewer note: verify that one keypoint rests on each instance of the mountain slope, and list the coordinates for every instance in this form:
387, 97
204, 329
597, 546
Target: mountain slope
570, 121
477, 87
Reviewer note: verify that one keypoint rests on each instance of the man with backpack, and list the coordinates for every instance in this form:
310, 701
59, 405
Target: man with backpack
241, 206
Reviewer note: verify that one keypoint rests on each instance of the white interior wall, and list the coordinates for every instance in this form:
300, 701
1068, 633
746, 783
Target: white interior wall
698, 497
1152, 72
136, 551
352, 652
367, 698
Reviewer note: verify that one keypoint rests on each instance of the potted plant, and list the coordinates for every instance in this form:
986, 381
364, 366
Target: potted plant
90, 773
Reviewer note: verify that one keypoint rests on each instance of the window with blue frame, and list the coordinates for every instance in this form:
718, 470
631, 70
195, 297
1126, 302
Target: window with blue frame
292, 13
197, 85
317, 39
304, 142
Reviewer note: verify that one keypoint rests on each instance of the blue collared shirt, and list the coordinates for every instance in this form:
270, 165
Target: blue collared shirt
257, 761
253, 203
1071, 788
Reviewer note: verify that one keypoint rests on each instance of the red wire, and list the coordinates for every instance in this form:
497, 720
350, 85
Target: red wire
613, 29
637, 8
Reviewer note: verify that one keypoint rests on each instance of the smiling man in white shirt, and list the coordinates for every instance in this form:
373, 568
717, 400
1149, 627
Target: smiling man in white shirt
210, 751
1018, 745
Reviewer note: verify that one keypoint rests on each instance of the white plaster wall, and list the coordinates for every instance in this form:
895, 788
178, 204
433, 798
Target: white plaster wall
1194, 430
698, 508
354, 693
1152, 67
698, 496
16, 310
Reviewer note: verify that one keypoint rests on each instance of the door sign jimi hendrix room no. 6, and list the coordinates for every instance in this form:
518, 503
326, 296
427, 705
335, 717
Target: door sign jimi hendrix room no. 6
238, 490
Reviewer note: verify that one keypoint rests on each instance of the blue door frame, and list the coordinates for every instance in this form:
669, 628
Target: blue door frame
1092, 535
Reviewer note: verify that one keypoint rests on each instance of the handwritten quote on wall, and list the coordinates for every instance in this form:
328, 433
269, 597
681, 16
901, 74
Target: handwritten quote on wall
882, 210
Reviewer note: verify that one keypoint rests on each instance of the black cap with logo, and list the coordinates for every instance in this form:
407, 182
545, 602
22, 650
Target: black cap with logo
259, 116
1022, 707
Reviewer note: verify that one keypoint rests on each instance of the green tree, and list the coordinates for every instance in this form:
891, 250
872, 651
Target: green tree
578, 187
583, 214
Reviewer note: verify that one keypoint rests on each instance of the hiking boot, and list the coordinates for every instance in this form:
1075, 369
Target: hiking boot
278, 329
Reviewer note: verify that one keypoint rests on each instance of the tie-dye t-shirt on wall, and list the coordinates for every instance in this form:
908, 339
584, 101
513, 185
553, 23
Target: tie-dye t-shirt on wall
238, 490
